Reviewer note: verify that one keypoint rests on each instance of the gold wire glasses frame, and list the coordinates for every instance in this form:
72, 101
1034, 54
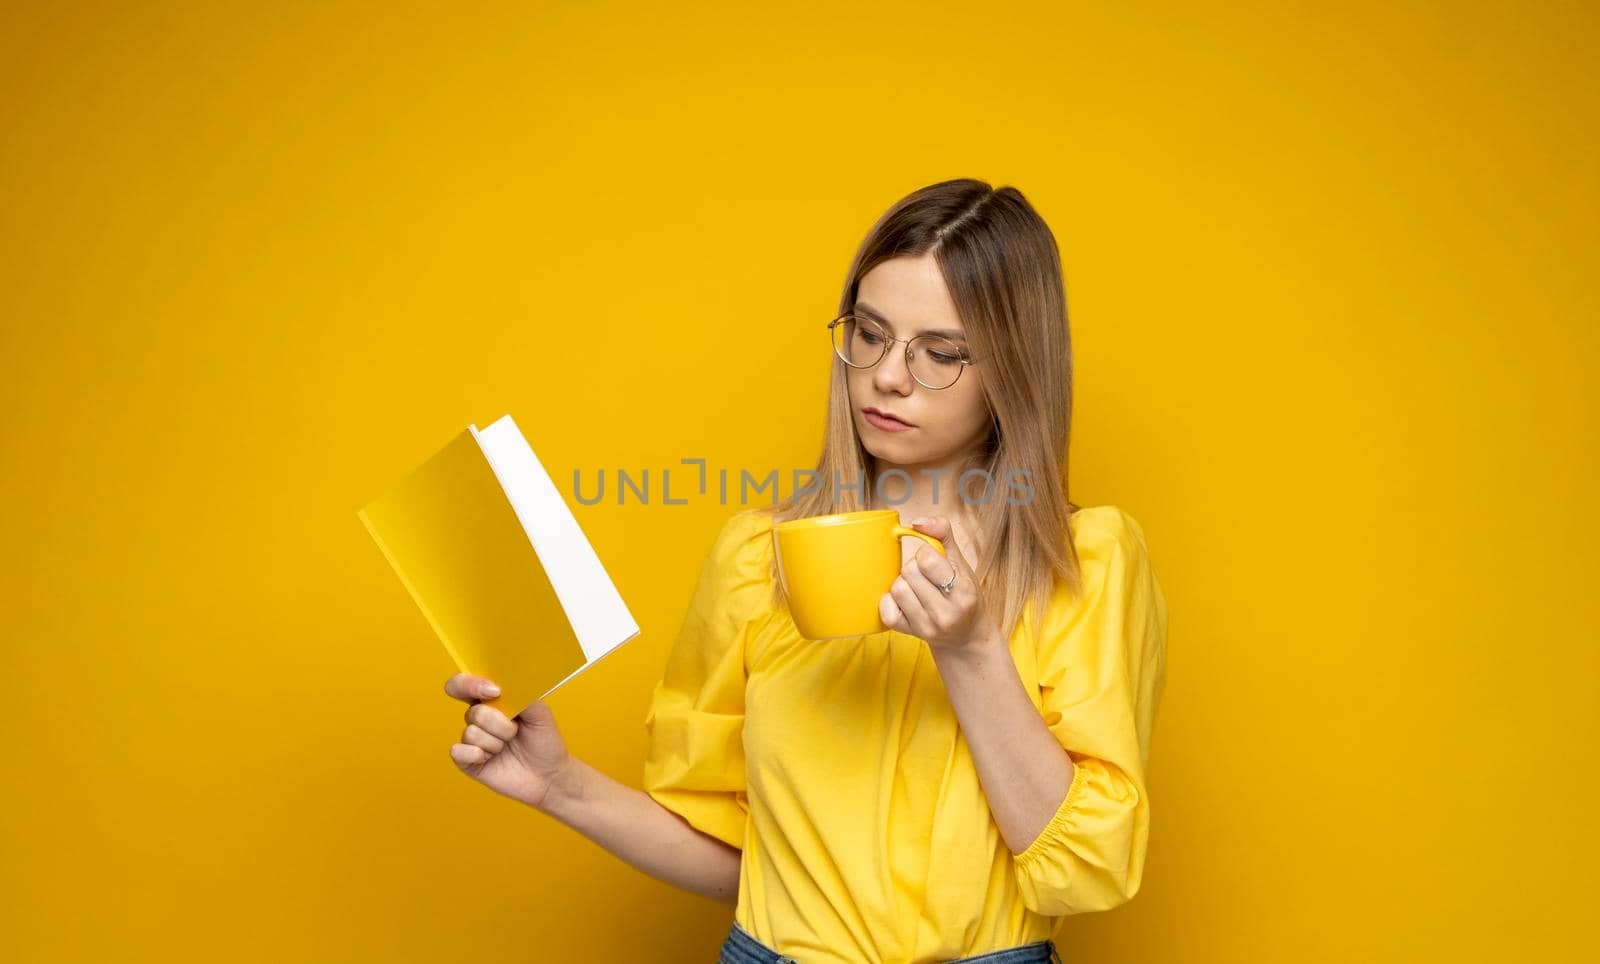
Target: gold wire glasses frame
857, 338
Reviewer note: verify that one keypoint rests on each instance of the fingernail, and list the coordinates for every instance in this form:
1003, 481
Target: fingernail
489, 689
921, 521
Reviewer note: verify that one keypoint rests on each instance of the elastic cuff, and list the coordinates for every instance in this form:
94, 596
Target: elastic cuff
1057, 827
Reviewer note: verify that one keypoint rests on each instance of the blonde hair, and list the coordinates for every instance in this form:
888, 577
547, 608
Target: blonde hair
1000, 263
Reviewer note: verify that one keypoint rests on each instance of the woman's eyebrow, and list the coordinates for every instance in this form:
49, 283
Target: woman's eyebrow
877, 315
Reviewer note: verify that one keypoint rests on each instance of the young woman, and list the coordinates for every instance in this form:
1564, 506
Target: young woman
951, 788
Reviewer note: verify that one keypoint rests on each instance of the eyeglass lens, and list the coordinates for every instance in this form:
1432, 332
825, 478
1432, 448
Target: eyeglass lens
862, 343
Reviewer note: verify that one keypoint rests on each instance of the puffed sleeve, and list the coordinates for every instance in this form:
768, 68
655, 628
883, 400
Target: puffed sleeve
1102, 663
695, 765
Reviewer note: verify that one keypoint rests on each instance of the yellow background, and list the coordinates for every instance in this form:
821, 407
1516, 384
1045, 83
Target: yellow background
1331, 275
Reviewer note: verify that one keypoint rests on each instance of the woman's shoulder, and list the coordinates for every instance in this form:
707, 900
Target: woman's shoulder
1109, 544
1102, 530
1114, 570
735, 581
743, 544
745, 528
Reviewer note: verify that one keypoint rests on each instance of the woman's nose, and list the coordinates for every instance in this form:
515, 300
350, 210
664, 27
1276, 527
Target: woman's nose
892, 373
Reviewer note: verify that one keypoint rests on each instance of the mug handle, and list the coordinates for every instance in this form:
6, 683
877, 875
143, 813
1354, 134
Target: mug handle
930, 540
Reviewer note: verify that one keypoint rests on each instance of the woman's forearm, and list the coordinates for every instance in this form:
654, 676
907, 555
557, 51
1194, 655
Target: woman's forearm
638, 830
1024, 771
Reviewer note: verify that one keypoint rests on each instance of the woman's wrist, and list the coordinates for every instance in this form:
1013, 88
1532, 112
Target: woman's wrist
565, 789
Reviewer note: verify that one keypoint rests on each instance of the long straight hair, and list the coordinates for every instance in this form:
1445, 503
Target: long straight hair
1000, 263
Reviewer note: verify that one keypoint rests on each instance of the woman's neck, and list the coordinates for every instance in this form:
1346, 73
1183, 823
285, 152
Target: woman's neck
924, 490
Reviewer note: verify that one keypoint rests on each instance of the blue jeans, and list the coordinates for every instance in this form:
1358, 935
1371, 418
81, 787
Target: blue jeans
742, 948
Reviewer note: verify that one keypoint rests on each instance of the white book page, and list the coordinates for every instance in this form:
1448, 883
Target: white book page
574, 673
600, 619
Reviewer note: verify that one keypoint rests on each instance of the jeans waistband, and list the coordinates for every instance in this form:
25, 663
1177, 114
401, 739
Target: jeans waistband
741, 947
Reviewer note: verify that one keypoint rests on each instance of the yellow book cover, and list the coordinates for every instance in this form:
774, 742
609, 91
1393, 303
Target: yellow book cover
493, 556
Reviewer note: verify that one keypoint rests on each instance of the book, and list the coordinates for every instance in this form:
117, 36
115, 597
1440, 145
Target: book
493, 556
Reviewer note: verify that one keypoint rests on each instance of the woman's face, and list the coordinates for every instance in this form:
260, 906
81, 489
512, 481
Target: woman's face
909, 294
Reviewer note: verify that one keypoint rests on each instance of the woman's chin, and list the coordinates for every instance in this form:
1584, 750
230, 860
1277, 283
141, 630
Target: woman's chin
890, 450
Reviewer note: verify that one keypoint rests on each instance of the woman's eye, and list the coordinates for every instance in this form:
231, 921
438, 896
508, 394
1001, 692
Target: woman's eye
870, 337
942, 358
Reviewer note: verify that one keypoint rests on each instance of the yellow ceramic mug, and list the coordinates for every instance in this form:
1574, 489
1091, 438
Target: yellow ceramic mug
835, 568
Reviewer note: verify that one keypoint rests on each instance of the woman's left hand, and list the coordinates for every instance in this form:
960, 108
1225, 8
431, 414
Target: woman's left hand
915, 606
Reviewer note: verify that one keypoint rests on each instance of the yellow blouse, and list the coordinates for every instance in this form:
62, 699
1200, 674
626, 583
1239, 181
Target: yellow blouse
839, 769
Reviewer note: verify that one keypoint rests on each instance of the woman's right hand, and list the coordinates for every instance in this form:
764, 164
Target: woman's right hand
518, 758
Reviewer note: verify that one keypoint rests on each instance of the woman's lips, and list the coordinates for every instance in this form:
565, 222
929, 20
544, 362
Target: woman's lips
884, 422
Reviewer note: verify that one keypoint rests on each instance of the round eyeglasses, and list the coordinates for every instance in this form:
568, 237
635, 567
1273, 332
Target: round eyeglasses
933, 360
